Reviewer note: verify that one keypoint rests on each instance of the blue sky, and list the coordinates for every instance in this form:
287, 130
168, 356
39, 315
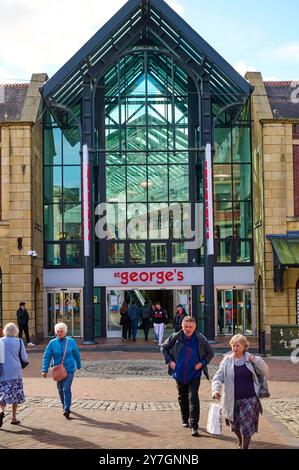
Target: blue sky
41, 35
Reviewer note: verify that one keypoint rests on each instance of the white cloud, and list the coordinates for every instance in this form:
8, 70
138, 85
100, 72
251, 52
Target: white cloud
6, 76
242, 68
285, 52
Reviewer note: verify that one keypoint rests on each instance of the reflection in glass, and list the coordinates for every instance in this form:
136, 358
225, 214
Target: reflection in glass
72, 220
222, 182
223, 220
222, 145
116, 253
71, 149
224, 252
157, 183
53, 254
137, 221
178, 183
136, 183
241, 144
243, 251
52, 184
72, 184
179, 253
242, 219
72, 253
137, 253
158, 221
52, 221
242, 182
52, 146
158, 253
115, 183
116, 221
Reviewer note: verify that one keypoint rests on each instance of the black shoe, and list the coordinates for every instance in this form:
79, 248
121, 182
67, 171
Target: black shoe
194, 432
185, 424
66, 414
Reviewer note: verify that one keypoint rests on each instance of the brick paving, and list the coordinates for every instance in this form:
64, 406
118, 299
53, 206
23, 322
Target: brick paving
127, 400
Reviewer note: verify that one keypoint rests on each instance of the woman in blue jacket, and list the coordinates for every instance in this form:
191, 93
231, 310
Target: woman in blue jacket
54, 351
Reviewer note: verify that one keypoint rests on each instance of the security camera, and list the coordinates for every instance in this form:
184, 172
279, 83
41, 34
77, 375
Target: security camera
32, 253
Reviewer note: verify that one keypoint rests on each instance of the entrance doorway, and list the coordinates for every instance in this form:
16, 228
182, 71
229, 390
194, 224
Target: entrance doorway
64, 305
234, 311
169, 299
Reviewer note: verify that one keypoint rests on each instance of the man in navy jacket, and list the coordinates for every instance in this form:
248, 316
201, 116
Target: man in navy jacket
188, 353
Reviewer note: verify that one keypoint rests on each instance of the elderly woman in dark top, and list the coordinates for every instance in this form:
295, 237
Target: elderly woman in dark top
240, 402
11, 383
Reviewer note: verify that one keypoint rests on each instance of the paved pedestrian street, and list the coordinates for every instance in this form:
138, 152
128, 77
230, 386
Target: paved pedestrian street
128, 401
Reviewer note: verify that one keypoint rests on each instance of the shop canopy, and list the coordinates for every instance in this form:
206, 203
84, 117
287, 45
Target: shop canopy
285, 255
141, 24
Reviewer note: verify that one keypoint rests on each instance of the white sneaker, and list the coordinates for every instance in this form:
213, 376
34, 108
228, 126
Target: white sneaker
30, 344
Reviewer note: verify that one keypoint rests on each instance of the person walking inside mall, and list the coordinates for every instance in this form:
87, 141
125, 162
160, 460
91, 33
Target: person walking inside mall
54, 352
146, 313
23, 322
125, 321
187, 354
240, 403
11, 382
178, 318
134, 315
160, 319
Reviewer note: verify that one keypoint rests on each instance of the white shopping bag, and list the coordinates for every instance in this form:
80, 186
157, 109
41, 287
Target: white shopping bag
214, 424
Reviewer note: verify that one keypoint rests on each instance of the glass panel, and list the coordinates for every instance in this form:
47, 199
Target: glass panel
76, 313
72, 254
116, 253
137, 253
224, 254
160, 110
52, 222
238, 312
157, 183
59, 318
242, 220
53, 255
181, 110
223, 220
50, 313
72, 184
158, 253
115, 183
159, 137
242, 182
115, 159
243, 252
178, 183
136, 183
179, 253
115, 300
157, 157
179, 157
181, 138
68, 312
241, 145
53, 184
248, 314
72, 221
220, 309
228, 311
71, 150
222, 182
136, 158
158, 221
116, 221
52, 146
137, 221
222, 145
136, 138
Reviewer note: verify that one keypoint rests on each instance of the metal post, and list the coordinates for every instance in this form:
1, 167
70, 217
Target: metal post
262, 343
87, 169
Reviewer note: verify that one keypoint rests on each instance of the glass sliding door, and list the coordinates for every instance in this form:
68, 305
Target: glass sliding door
64, 306
234, 311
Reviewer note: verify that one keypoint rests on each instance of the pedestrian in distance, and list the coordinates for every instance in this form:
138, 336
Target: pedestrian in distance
11, 377
178, 318
23, 322
54, 352
187, 354
125, 321
146, 313
153, 308
240, 403
134, 313
160, 319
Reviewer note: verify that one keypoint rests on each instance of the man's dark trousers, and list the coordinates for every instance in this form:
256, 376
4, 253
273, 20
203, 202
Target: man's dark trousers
24, 327
189, 402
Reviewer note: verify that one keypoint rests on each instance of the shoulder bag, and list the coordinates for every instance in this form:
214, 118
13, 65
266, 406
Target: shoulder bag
59, 372
263, 389
23, 363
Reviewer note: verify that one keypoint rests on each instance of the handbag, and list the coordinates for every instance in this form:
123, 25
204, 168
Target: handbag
59, 372
214, 423
23, 363
263, 385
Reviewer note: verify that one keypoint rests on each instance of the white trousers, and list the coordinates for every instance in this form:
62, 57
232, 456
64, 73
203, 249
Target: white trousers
159, 331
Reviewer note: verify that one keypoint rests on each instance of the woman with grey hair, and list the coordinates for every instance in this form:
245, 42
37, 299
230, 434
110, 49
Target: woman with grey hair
240, 403
55, 352
11, 382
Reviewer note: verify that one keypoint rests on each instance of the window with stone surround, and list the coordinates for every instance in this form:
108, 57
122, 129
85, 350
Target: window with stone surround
296, 179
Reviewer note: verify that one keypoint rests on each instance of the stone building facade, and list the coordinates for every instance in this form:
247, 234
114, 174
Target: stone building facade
21, 202
275, 112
